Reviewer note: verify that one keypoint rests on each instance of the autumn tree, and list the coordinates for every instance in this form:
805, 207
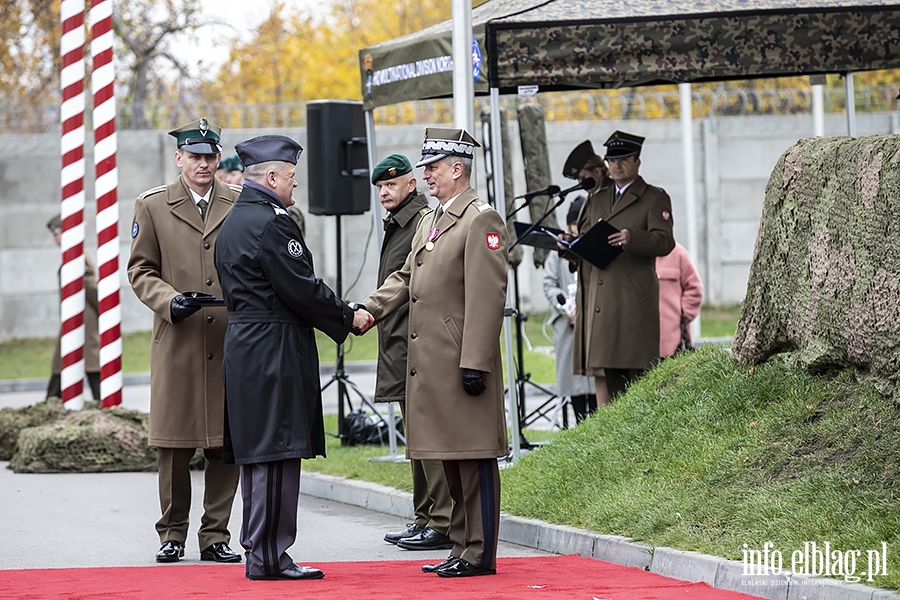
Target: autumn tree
301, 57
29, 65
146, 28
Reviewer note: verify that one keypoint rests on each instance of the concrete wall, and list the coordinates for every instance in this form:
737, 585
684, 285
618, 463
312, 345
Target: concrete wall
734, 157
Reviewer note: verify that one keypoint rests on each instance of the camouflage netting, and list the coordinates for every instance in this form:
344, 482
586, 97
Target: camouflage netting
14, 420
89, 440
825, 278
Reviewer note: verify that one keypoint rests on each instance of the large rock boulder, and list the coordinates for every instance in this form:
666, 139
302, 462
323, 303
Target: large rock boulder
825, 279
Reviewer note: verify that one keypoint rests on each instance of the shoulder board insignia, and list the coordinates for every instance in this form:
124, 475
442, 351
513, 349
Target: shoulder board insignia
278, 210
483, 206
424, 211
151, 191
659, 189
236, 188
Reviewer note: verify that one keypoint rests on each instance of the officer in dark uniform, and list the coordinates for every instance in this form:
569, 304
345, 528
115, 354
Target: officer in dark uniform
406, 206
273, 400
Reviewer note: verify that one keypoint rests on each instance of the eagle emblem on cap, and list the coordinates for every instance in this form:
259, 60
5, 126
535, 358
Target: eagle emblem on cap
204, 126
392, 171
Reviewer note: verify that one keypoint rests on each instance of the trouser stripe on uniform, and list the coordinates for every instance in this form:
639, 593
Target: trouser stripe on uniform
271, 558
488, 511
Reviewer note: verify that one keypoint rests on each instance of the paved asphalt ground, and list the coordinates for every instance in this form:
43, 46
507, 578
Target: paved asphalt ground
107, 519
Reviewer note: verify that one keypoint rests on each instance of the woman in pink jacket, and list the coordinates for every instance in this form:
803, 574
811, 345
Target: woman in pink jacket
680, 297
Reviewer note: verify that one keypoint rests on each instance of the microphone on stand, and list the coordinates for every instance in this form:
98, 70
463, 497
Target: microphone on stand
586, 184
550, 190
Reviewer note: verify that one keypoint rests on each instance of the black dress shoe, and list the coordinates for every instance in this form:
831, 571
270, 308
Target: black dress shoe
221, 553
411, 530
462, 568
433, 568
427, 540
170, 551
294, 571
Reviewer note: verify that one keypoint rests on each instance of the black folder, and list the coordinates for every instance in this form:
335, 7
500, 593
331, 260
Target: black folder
202, 299
541, 237
594, 245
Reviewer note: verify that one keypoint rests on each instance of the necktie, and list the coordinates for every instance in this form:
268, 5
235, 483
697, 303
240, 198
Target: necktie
616, 197
202, 205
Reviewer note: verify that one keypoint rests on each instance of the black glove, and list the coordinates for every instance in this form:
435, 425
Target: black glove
473, 382
182, 308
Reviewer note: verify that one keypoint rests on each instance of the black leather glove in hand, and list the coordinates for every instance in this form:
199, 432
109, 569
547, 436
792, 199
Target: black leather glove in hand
473, 382
182, 309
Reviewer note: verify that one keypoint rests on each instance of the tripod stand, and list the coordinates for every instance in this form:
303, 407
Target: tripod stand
523, 377
340, 376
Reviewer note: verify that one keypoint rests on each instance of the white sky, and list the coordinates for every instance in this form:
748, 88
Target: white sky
242, 16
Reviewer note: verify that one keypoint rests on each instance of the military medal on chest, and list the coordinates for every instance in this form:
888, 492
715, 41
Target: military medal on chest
432, 235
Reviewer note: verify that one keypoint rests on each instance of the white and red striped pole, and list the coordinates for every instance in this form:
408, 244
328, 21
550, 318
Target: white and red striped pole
105, 187
72, 209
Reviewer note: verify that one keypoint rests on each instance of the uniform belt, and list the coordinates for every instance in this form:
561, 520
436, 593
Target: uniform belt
264, 316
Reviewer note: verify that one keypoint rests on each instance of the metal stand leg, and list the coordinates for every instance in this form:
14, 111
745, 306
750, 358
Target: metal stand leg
340, 376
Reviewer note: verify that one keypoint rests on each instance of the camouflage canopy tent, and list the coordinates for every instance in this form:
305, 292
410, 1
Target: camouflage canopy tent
577, 44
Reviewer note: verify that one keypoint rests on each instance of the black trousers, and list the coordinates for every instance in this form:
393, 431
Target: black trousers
619, 379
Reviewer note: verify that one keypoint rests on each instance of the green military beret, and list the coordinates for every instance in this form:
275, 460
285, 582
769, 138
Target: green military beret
232, 163
394, 165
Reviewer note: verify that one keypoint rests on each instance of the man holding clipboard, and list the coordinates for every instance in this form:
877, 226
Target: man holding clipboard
623, 226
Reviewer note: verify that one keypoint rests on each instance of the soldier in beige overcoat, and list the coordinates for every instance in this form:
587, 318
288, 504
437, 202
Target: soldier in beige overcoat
454, 280
173, 235
396, 185
617, 316
91, 327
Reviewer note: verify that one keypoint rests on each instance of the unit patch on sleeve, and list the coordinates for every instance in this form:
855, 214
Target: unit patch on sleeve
295, 249
134, 230
493, 240
665, 215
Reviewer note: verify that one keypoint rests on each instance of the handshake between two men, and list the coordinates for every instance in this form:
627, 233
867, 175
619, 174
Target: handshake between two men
473, 380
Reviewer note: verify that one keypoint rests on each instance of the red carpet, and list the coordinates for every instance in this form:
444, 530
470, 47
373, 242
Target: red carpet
531, 578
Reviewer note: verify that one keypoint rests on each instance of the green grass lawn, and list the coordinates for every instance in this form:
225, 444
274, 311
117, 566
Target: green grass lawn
704, 454
30, 358
707, 455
